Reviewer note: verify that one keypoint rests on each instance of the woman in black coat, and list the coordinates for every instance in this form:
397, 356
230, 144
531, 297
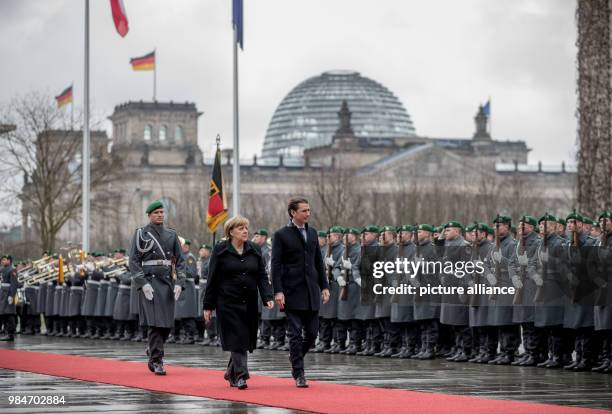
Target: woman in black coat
236, 272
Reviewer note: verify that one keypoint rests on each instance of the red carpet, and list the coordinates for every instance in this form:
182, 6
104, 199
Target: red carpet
322, 397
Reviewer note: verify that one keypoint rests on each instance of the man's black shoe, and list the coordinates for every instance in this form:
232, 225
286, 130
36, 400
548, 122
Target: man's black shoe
300, 382
159, 368
7, 338
241, 384
602, 367
573, 365
151, 366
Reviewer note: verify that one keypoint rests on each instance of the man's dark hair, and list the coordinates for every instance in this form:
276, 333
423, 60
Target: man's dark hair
294, 203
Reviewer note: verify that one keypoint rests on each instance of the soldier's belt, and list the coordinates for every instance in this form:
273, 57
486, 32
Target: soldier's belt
124, 287
93, 282
157, 263
76, 287
104, 282
6, 285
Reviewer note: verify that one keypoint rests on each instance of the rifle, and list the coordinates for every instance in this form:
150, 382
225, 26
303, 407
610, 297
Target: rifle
475, 254
328, 269
539, 291
365, 298
602, 294
415, 239
493, 296
395, 298
575, 245
518, 295
346, 273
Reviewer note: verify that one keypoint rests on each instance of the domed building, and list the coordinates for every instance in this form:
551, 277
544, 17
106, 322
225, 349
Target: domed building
308, 116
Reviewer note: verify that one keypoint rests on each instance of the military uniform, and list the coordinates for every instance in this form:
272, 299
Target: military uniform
454, 309
522, 270
154, 252
370, 253
186, 307
486, 337
121, 312
426, 307
8, 290
211, 327
402, 306
501, 307
328, 312
600, 267
75, 305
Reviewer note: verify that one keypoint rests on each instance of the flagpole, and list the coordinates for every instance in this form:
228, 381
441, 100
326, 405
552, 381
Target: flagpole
236, 166
490, 119
85, 163
154, 75
72, 109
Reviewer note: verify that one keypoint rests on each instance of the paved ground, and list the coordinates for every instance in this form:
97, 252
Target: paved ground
525, 384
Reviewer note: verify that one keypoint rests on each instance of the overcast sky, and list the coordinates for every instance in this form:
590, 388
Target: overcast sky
441, 58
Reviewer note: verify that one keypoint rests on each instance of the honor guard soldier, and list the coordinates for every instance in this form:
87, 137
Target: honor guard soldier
426, 307
8, 290
158, 272
328, 313
601, 267
186, 309
370, 253
210, 327
522, 270
500, 310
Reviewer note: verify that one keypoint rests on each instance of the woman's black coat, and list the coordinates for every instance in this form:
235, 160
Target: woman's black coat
233, 281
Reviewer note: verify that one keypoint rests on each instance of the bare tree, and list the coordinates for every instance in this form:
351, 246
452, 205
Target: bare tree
42, 165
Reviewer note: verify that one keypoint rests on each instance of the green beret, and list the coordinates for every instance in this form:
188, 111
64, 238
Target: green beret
205, 246
588, 220
453, 223
605, 214
502, 219
371, 229
513, 228
575, 216
406, 228
322, 233
471, 227
262, 232
390, 228
438, 229
529, 220
336, 229
353, 230
187, 242
154, 206
485, 227
547, 217
561, 220
425, 227
119, 250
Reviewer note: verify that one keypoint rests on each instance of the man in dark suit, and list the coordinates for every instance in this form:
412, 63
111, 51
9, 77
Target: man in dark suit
299, 282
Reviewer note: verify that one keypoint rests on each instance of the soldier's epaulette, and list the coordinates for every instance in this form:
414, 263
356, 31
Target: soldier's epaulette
170, 228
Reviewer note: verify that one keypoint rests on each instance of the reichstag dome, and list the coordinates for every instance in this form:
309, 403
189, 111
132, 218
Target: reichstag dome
308, 116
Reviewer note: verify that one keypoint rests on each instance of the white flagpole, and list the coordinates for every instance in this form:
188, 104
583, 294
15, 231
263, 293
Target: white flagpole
154, 75
236, 166
85, 162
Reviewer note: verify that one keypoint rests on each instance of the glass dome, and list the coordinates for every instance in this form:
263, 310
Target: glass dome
308, 116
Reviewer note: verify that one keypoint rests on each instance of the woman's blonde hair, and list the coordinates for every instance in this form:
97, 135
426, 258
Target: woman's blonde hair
232, 223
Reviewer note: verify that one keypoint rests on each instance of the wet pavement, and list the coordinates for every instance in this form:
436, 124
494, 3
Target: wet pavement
584, 389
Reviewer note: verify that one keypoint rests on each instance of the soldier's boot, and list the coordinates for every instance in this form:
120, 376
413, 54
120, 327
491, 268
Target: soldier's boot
333, 349
517, 361
447, 352
477, 357
117, 335
365, 350
353, 349
530, 361
206, 342
399, 353
506, 359
462, 357
382, 351
107, 335
274, 345
454, 355
96, 334
605, 364
7, 338
260, 343
584, 365
171, 339
557, 362
375, 349
573, 364
428, 354
284, 346
321, 346
496, 359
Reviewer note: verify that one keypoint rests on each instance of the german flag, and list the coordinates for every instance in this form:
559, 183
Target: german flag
217, 212
146, 62
65, 97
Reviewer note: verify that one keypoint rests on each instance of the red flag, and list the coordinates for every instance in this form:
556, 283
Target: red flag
119, 17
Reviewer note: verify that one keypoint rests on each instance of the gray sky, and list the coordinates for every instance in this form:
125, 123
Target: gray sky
440, 57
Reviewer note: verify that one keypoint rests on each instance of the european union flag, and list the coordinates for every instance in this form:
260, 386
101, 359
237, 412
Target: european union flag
487, 108
237, 20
